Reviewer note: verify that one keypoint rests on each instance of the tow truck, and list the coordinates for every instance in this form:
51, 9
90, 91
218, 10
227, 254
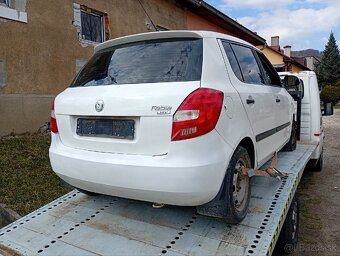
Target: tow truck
80, 224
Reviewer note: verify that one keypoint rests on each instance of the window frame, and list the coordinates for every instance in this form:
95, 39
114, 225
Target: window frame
6, 4
255, 52
75, 81
262, 69
102, 25
238, 64
255, 57
8, 10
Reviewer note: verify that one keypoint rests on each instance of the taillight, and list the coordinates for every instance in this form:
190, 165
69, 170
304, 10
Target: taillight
53, 122
197, 115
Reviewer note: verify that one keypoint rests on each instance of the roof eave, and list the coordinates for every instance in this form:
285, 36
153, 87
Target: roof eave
253, 37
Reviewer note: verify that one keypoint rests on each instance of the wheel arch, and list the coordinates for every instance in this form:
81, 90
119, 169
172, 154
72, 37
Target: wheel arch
248, 144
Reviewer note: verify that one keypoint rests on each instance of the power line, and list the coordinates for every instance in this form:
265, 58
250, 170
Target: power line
153, 24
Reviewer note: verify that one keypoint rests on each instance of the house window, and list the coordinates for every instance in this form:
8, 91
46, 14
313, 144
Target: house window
3, 74
5, 2
92, 26
13, 10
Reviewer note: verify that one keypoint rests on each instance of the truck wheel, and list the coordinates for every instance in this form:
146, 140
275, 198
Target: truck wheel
291, 144
237, 187
288, 237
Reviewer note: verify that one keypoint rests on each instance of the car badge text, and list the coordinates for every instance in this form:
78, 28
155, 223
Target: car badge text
99, 106
162, 110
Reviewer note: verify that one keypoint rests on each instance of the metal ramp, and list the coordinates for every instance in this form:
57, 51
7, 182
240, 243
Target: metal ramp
77, 224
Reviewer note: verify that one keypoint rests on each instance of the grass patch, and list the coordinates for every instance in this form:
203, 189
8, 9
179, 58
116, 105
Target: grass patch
27, 181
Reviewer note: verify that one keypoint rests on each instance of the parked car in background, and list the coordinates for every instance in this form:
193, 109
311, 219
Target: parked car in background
171, 117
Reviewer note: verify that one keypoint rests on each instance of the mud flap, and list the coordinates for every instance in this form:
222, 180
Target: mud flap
217, 207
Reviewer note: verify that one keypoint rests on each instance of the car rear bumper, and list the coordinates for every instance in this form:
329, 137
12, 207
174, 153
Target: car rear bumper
190, 174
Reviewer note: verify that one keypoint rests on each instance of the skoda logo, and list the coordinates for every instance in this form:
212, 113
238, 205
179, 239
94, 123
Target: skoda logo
99, 105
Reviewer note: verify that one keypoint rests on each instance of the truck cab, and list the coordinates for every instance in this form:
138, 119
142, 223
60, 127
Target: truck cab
310, 124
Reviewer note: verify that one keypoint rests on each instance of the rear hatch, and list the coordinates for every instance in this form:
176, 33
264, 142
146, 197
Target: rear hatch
124, 99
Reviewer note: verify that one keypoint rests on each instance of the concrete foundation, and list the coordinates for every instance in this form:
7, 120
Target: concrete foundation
21, 113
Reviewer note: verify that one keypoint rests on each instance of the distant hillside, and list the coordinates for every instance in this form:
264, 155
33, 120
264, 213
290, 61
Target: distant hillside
308, 52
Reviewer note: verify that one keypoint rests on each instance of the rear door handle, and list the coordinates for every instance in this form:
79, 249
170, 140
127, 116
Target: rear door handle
278, 100
250, 101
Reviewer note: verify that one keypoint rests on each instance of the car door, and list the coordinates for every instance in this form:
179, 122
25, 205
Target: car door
257, 99
283, 106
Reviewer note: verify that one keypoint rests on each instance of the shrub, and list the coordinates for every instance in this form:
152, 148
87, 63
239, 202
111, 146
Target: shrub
330, 94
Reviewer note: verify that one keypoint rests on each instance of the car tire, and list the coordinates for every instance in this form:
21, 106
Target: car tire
291, 144
288, 237
236, 187
229, 204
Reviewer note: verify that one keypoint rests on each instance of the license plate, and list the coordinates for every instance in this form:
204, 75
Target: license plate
113, 128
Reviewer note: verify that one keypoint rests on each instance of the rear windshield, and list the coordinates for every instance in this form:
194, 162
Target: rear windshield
144, 62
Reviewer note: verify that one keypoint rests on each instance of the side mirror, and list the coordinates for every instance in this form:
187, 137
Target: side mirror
328, 109
293, 85
284, 83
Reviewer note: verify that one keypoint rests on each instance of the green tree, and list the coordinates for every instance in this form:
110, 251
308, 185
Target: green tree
329, 70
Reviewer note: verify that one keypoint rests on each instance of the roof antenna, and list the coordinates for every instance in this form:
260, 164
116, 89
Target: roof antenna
153, 24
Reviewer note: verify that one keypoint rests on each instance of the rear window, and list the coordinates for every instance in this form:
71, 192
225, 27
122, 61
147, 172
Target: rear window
144, 62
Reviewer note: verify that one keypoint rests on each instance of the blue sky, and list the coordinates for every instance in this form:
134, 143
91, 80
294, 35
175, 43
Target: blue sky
303, 24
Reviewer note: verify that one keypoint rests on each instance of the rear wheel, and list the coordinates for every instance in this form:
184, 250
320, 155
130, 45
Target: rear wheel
291, 144
288, 238
237, 187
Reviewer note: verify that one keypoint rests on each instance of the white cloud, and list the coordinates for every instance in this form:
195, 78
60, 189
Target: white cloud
320, 1
299, 23
295, 27
255, 4
324, 40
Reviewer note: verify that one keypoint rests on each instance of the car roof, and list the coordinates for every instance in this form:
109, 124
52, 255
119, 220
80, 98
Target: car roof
164, 35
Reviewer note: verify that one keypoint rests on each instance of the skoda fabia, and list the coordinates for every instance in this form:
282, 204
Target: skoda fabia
171, 117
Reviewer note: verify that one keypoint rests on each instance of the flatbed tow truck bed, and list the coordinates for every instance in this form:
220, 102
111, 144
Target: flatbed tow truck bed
78, 224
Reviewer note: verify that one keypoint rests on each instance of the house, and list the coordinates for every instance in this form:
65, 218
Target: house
312, 62
282, 60
45, 43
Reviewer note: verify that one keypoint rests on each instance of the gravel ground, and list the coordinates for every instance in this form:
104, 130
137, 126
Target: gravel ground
319, 198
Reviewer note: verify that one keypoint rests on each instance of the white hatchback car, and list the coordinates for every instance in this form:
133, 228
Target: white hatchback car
171, 117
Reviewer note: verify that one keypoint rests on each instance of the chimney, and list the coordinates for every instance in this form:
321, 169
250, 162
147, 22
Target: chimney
275, 41
287, 50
